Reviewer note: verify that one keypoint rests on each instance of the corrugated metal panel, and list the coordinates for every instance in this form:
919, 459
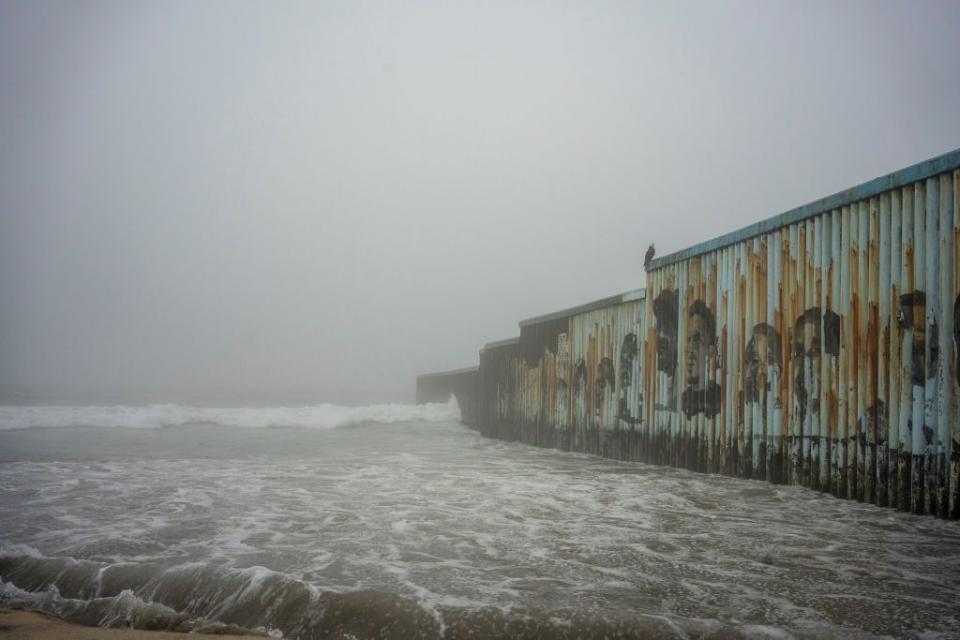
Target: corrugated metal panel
916, 173
628, 296
572, 379
499, 389
606, 347
954, 418
818, 348
847, 321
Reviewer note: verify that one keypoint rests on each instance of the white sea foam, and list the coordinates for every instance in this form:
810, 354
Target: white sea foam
428, 527
320, 416
11, 550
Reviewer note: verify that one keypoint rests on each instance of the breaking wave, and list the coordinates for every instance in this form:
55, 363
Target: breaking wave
203, 598
320, 416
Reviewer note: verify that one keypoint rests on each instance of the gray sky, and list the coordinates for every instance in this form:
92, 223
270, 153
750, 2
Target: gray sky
303, 201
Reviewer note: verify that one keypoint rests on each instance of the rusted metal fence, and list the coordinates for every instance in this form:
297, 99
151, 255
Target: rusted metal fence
820, 348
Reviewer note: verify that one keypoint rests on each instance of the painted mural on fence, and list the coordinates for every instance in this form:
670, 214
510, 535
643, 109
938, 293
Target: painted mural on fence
606, 383
815, 329
701, 395
666, 312
822, 351
912, 320
579, 404
810, 320
628, 355
563, 376
763, 352
816, 332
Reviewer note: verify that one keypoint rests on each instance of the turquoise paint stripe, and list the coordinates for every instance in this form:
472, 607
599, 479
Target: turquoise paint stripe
610, 301
921, 171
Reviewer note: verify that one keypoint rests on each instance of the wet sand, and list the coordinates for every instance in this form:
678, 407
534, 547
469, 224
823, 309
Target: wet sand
34, 625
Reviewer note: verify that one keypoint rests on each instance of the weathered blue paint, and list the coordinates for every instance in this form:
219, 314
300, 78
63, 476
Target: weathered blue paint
920, 171
609, 301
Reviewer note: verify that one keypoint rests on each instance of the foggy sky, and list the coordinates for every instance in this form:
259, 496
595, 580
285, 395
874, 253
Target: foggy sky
259, 201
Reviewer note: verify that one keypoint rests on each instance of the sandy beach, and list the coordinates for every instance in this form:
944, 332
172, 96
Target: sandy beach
34, 625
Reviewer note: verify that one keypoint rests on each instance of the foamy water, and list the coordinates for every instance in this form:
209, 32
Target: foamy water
419, 528
321, 416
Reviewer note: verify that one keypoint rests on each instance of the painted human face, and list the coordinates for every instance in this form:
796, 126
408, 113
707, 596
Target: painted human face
698, 351
666, 349
806, 363
912, 316
762, 351
665, 311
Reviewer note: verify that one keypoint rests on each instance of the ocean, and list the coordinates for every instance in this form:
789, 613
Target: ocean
394, 521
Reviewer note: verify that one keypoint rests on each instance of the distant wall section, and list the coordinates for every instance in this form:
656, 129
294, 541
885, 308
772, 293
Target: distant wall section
463, 384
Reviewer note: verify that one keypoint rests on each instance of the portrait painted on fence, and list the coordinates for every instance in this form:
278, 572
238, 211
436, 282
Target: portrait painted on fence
912, 316
580, 375
628, 355
579, 391
764, 351
666, 313
816, 331
701, 395
605, 383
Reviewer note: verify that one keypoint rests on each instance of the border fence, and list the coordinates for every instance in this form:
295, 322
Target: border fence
820, 347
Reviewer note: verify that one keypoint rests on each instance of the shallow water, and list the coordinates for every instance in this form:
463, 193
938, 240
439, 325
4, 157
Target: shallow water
426, 529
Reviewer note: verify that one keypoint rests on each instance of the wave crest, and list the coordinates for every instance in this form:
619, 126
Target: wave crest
320, 416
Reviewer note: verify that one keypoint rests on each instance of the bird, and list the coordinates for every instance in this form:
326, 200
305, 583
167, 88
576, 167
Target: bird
647, 259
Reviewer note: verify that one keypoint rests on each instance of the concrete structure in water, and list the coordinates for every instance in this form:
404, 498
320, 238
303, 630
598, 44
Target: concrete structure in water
820, 347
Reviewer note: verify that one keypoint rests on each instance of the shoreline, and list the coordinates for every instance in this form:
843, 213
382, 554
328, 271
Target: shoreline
30, 624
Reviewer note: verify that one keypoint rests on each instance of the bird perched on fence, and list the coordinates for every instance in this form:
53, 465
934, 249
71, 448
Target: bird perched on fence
647, 259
